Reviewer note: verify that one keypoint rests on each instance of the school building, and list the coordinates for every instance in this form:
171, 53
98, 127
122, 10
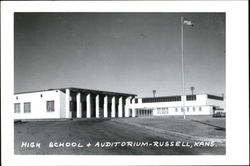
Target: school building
86, 103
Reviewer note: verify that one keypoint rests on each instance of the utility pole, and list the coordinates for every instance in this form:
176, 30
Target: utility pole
182, 70
189, 23
154, 91
192, 90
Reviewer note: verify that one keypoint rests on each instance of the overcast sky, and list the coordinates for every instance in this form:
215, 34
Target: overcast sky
121, 52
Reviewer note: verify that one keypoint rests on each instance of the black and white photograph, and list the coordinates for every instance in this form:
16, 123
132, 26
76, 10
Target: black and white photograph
114, 83
119, 83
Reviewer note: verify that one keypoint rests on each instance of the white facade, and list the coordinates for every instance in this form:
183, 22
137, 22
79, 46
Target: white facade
38, 105
201, 105
82, 103
70, 103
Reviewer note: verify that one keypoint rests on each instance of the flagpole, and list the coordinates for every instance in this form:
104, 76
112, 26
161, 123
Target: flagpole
182, 69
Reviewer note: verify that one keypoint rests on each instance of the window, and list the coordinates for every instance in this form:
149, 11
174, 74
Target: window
200, 108
176, 109
136, 100
214, 97
17, 108
191, 97
158, 110
27, 107
50, 106
193, 108
187, 109
163, 111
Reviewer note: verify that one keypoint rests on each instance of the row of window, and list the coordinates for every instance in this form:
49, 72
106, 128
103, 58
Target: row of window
143, 112
165, 110
162, 110
161, 99
50, 107
167, 99
189, 109
191, 97
214, 97
164, 99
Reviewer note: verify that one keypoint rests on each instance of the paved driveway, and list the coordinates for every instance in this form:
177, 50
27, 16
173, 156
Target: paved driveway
102, 137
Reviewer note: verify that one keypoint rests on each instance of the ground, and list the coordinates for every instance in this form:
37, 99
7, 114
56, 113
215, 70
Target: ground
122, 136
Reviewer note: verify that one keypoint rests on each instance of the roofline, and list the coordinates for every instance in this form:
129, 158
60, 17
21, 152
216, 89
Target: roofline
179, 95
106, 92
82, 90
33, 91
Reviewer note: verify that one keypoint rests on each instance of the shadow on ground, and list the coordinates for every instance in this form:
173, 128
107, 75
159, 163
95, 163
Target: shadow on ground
216, 127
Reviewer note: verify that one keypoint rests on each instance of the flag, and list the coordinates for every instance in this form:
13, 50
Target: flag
187, 22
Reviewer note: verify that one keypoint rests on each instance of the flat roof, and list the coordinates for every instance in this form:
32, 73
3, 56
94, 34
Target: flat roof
159, 97
83, 91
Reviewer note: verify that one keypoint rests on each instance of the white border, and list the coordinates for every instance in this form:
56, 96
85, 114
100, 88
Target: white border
237, 147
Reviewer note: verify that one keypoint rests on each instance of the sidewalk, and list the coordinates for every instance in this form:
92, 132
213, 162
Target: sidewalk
195, 128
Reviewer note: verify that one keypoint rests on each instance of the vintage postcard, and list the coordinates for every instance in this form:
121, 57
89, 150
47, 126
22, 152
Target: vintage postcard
90, 82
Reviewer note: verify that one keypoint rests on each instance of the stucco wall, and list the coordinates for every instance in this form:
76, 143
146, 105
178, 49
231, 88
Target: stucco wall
193, 107
200, 100
218, 103
38, 105
62, 104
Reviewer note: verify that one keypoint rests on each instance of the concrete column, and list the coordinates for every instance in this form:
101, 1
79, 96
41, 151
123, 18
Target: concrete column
105, 107
133, 108
67, 103
97, 106
113, 107
88, 101
78, 105
120, 108
127, 107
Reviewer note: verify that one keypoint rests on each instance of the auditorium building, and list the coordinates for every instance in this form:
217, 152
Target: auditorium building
85, 103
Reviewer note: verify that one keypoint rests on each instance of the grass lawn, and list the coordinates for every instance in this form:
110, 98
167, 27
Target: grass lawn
200, 126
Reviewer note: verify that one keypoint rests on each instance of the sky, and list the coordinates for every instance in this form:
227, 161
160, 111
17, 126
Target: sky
120, 52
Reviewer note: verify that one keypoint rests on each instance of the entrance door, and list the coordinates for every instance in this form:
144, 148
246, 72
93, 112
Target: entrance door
130, 112
73, 108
